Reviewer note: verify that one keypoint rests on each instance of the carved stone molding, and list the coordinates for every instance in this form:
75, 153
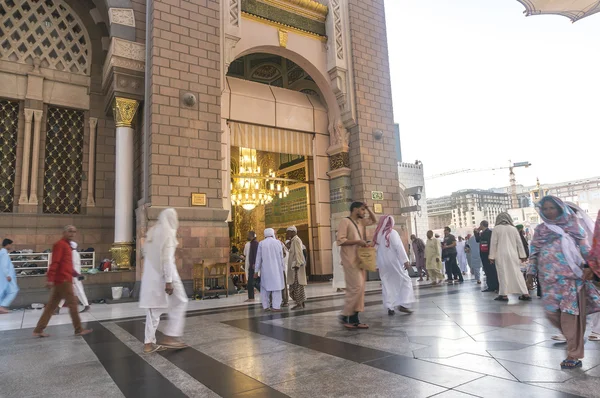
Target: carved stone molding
121, 16
232, 29
339, 60
124, 54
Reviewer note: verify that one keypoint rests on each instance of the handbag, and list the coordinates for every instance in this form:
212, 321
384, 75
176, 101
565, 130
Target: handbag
367, 255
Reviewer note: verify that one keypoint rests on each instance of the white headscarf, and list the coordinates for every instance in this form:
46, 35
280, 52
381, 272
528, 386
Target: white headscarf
293, 229
585, 221
73, 245
162, 237
269, 233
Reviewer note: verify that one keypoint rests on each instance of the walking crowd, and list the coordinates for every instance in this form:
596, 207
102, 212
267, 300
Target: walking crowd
563, 258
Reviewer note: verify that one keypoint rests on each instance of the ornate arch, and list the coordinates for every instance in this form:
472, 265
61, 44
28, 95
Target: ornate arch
48, 31
320, 80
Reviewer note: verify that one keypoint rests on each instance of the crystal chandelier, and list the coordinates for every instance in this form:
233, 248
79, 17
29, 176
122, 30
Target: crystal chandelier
251, 187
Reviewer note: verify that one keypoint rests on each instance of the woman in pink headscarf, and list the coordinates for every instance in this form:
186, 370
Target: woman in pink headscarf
393, 264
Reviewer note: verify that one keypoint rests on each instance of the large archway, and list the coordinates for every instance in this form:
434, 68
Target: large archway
280, 85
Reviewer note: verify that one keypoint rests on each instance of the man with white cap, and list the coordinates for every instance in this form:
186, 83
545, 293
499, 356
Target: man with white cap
269, 262
296, 267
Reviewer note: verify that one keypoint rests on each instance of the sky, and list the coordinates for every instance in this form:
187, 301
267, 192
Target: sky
476, 83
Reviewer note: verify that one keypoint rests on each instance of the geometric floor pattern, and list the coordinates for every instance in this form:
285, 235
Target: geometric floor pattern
459, 343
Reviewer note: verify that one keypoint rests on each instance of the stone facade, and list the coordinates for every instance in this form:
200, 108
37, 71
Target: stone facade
170, 59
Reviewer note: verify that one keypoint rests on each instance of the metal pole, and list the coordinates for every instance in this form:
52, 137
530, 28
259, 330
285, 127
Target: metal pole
416, 232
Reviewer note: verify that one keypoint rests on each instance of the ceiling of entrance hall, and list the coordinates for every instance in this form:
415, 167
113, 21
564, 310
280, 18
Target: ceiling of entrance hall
273, 70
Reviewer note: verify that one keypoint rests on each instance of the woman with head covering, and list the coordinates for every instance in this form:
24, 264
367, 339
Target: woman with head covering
558, 250
594, 263
269, 262
162, 290
507, 252
393, 264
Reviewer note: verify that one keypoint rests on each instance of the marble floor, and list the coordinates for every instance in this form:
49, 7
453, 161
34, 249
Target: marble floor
459, 342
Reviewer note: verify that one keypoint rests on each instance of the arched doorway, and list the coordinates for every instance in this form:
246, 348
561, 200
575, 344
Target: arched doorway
277, 125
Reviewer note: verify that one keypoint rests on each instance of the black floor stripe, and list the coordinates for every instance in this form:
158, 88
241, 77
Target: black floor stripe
220, 378
134, 376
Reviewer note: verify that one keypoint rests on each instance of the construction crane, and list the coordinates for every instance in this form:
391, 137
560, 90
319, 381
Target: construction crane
513, 183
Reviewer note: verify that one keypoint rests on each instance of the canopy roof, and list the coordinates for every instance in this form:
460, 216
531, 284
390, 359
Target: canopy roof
572, 9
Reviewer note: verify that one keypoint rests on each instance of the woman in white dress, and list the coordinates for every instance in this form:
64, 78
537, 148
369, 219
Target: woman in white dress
507, 251
393, 264
461, 255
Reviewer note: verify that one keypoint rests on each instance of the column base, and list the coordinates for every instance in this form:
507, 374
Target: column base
122, 253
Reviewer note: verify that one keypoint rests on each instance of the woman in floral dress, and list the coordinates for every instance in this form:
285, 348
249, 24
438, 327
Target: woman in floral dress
557, 255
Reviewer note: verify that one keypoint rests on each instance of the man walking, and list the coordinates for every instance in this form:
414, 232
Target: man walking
269, 262
350, 236
8, 278
449, 253
483, 236
250, 251
60, 280
419, 251
77, 278
296, 268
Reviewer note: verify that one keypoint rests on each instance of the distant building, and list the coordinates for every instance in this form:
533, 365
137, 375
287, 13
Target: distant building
466, 209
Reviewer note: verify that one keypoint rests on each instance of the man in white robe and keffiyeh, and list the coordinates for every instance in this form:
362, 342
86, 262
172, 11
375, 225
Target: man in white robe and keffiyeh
162, 290
393, 264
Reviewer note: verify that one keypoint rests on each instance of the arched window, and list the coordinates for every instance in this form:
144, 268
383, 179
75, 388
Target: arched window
45, 29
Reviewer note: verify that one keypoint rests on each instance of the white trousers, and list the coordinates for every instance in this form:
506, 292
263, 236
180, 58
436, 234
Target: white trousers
264, 298
79, 292
173, 327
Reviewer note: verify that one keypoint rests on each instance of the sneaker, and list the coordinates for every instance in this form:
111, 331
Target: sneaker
559, 337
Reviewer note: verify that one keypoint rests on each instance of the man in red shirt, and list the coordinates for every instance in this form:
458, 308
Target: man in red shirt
60, 280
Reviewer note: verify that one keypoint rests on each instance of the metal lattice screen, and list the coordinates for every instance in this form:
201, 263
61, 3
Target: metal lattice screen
64, 161
45, 29
9, 123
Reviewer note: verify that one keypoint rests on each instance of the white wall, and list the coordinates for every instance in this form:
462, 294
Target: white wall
411, 175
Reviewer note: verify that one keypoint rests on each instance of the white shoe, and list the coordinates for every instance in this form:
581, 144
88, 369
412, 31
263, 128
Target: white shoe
559, 337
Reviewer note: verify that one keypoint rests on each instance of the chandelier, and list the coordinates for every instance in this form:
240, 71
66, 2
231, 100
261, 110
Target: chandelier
252, 187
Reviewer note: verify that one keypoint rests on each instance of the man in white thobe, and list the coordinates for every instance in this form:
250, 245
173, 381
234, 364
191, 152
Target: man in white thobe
393, 264
162, 290
269, 262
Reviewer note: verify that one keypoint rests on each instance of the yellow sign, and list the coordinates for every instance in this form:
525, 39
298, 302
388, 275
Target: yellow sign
376, 195
378, 208
198, 199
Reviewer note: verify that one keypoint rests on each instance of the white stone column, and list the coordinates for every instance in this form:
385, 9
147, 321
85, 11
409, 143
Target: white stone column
124, 113
23, 199
35, 157
90, 202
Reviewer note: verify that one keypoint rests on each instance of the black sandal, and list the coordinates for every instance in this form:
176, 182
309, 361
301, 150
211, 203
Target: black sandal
525, 298
501, 298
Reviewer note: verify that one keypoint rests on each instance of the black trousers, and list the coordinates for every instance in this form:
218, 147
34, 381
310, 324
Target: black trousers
250, 286
491, 274
452, 269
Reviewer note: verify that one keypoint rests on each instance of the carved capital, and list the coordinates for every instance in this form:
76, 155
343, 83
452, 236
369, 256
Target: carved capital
93, 123
283, 37
338, 135
28, 115
37, 116
123, 54
124, 110
339, 160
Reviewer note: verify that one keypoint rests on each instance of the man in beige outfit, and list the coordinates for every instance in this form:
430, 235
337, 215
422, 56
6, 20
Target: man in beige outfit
351, 235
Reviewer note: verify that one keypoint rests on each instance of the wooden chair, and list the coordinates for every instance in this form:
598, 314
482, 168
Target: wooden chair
238, 271
213, 273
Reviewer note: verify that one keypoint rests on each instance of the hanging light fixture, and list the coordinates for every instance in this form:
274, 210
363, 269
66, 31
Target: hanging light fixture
251, 188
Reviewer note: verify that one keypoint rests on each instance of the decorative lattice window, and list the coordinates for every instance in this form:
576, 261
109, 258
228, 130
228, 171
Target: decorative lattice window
45, 29
9, 122
64, 161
